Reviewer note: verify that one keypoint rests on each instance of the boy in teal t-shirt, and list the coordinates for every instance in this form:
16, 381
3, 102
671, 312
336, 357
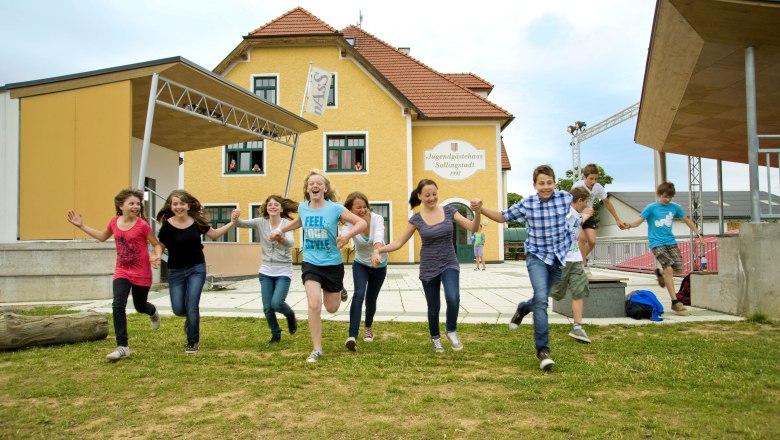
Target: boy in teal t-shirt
659, 216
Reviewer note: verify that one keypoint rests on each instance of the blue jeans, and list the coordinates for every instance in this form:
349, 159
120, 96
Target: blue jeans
274, 292
368, 281
543, 276
185, 286
450, 278
122, 290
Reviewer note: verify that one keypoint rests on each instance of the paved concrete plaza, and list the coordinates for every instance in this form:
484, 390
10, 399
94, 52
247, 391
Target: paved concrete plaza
489, 296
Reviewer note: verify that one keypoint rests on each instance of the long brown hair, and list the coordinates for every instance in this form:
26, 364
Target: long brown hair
414, 197
195, 211
288, 206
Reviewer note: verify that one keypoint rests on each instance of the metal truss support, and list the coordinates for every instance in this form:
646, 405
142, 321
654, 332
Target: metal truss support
694, 206
184, 99
582, 135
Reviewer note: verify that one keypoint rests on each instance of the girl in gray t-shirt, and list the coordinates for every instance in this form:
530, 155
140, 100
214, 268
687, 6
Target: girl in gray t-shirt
438, 263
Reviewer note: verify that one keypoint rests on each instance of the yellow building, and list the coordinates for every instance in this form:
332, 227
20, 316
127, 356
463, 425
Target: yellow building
73, 142
390, 121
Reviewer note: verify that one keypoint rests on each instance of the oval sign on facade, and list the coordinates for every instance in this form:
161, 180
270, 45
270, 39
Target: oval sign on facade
454, 159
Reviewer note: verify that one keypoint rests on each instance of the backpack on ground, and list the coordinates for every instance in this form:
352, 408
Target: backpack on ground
684, 294
637, 310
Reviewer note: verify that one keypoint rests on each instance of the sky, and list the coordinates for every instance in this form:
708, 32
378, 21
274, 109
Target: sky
551, 62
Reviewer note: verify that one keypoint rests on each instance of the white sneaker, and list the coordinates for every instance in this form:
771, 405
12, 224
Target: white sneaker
155, 319
314, 356
545, 362
436, 343
118, 354
351, 344
453, 338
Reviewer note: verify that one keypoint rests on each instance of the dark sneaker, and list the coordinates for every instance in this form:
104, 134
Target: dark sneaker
517, 318
314, 356
545, 362
680, 309
351, 344
155, 319
659, 276
118, 354
191, 348
580, 335
368, 334
292, 324
453, 338
436, 343
275, 340
344, 295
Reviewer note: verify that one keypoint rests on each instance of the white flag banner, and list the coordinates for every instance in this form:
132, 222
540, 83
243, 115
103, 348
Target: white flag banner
317, 91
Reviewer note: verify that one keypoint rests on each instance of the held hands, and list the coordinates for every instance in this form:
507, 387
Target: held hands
276, 235
341, 241
623, 225
476, 205
155, 260
376, 258
235, 215
75, 219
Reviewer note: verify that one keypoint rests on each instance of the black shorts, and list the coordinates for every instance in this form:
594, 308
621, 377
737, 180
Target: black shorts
331, 278
590, 223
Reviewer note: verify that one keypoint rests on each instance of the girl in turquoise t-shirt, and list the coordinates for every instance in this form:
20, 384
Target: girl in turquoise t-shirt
322, 270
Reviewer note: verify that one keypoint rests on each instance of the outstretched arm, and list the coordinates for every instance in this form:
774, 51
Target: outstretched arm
77, 221
613, 211
472, 225
219, 232
403, 238
496, 216
360, 226
635, 223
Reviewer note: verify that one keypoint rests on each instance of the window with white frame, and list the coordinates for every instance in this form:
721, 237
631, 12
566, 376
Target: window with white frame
383, 209
245, 158
346, 152
265, 87
219, 216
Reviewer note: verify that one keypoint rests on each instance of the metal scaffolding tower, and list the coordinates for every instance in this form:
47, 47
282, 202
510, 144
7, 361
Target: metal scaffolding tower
579, 134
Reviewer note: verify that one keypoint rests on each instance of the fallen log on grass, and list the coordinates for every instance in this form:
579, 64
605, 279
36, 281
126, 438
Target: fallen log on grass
17, 331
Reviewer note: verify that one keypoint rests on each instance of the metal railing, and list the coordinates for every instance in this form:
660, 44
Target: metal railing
635, 255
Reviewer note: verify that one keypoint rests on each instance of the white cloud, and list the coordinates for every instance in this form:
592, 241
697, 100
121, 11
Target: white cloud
552, 63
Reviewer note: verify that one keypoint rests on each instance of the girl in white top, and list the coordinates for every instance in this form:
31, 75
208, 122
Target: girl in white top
368, 279
276, 267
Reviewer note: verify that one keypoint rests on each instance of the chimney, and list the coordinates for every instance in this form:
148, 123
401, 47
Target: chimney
404, 50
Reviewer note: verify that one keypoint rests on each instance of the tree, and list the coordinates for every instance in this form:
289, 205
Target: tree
511, 199
604, 179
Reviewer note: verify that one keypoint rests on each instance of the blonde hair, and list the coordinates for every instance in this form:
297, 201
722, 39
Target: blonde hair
330, 192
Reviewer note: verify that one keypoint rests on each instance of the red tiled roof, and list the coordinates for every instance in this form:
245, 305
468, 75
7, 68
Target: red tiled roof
469, 80
296, 22
505, 165
430, 91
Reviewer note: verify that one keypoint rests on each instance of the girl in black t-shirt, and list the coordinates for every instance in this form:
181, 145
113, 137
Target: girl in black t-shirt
183, 223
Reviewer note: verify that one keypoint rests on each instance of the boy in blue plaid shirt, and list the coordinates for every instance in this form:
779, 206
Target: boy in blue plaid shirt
544, 214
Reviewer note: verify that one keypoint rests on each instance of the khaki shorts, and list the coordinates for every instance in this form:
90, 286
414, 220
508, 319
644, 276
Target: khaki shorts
573, 281
669, 256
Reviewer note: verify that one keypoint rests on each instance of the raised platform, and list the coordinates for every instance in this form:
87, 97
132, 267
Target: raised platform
607, 299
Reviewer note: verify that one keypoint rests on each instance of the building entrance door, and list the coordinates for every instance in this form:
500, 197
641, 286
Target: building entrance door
461, 238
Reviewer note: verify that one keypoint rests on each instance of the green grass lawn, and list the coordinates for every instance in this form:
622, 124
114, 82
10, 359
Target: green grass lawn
700, 380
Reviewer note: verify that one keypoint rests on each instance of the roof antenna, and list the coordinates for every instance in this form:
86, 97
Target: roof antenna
360, 21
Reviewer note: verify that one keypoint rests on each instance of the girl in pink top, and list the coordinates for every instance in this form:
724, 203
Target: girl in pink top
133, 271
